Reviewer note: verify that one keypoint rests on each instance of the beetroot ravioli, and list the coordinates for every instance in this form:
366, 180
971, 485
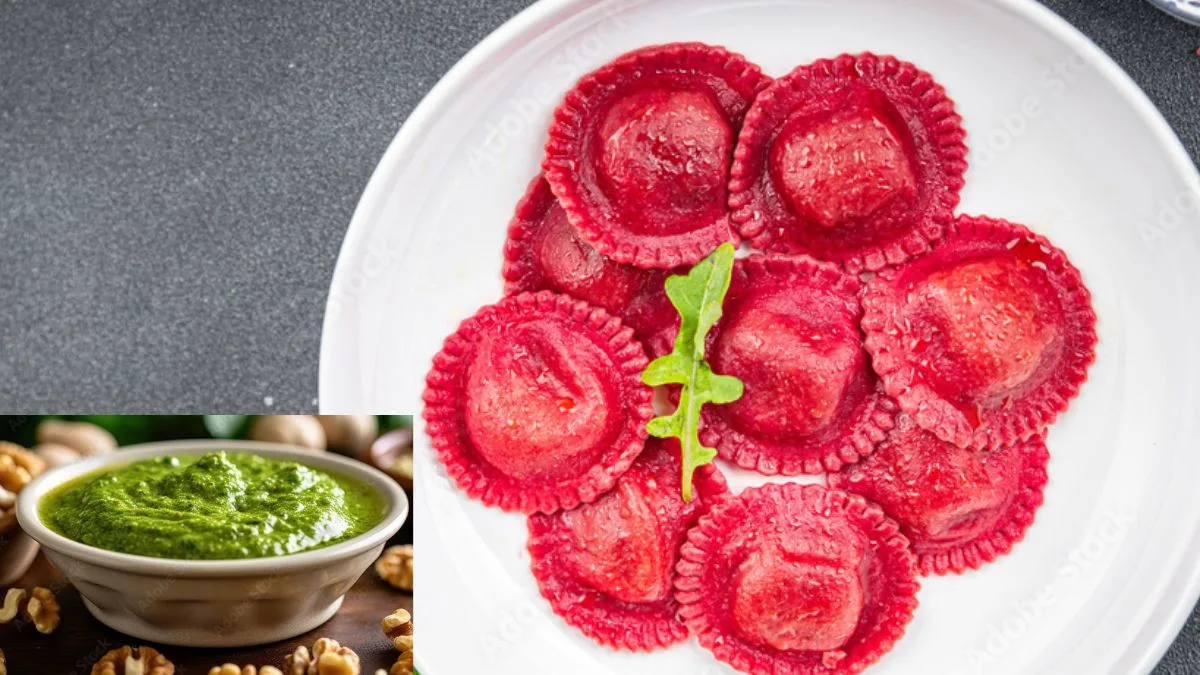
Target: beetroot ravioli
915, 357
639, 152
608, 567
790, 333
984, 340
536, 403
959, 508
858, 160
791, 579
543, 251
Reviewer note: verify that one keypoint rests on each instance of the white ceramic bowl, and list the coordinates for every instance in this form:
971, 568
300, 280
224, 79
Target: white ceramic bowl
1188, 10
214, 603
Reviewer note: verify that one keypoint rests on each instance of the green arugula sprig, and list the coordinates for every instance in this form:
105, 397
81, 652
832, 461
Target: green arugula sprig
698, 297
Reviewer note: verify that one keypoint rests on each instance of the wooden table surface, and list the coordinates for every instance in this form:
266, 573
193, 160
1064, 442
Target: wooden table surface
80, 639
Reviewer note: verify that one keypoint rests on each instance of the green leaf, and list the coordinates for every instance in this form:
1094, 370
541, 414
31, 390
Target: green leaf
698, 297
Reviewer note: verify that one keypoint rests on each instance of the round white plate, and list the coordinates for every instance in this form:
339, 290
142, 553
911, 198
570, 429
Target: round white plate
1060, 139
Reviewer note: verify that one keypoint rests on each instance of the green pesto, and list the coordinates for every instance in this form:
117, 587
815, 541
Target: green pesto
219, 506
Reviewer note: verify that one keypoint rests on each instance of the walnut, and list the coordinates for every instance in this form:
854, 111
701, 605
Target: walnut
43, 610
398, 627
18, 466
403, 665
231, 669
395, 566
327, 658
13, 600
133, 661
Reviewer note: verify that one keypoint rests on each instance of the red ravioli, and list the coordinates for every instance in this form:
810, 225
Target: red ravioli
607, 567
858, 160
639, 152
959, 508
544, 252
536, 403
791, 579
984, 340
791, 333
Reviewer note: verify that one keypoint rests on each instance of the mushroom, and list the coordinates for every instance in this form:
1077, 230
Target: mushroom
86, 438
300, 430
349, 434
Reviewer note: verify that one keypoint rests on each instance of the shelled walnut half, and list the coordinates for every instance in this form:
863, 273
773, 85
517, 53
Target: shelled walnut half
398, 627
327, 658
396, 567
18, 466
231, 669
133, 661
14, 598
43, 610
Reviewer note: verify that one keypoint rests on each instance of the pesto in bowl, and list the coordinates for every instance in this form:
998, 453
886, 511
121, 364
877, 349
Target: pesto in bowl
218, 506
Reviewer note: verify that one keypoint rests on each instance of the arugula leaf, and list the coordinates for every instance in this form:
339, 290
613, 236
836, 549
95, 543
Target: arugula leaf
698, 297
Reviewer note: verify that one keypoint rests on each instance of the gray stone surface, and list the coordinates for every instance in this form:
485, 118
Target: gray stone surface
176, 178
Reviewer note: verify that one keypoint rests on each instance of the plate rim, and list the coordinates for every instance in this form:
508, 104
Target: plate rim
1177, 607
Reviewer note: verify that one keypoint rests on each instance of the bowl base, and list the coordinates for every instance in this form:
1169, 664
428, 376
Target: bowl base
244, 636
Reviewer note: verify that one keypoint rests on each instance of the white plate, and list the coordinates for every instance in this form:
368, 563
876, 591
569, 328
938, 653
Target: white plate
1061, 139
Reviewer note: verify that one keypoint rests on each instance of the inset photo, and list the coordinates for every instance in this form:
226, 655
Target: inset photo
220, 544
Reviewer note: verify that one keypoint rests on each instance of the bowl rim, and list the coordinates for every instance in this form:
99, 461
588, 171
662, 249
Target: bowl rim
394, 517
1188, 12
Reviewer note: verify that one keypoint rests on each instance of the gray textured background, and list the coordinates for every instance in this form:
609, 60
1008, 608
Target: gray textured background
176, 178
